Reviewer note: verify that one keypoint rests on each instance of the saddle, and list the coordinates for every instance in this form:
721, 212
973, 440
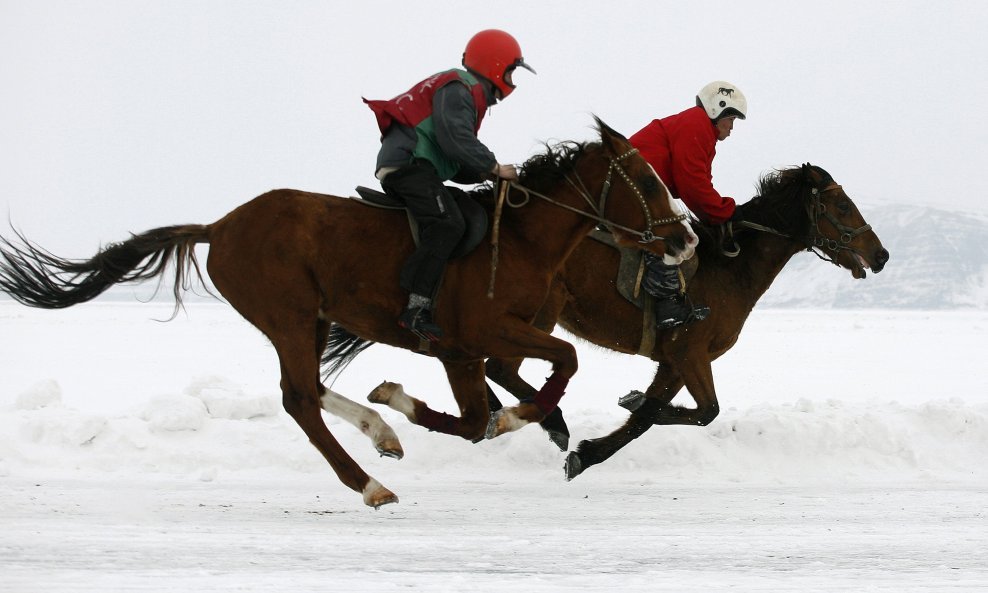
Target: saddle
473, 214
631, 269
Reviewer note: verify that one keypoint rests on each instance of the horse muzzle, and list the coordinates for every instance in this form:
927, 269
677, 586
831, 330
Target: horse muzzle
679, 248
877, 264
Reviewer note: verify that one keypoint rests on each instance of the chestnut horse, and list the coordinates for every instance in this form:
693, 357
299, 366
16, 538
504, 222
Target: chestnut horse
801, 208
293, 263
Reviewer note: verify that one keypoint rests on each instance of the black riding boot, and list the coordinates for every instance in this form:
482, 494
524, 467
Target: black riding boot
672, 308
417, 318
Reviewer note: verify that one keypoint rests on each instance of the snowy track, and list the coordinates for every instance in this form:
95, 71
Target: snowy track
165, 535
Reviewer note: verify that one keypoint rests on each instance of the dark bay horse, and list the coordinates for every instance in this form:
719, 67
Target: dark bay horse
293, 263
797, 209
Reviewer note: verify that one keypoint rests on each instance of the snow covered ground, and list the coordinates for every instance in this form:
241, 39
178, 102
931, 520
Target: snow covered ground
145, 456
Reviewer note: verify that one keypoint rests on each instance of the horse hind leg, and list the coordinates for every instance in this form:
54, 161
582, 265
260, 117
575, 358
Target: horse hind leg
469, 389
365, 420
417, 411
301, 399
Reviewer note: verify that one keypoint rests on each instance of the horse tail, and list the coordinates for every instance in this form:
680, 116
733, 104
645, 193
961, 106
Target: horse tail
341, 348
36, 278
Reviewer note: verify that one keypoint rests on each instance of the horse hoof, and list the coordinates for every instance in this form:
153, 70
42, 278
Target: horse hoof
390, 448
383, 392
632, 401
573, 466
502, 421
559, 439
376, 495
555, 426
492, 425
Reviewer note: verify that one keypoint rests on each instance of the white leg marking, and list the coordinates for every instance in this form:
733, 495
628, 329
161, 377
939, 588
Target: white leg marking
504, 420
376, 495
394, 396
365, 419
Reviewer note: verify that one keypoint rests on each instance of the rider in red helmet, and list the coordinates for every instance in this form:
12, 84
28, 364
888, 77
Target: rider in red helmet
681, 149
428, 136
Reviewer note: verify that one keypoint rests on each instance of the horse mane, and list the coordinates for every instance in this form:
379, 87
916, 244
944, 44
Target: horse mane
780, 203
540, 172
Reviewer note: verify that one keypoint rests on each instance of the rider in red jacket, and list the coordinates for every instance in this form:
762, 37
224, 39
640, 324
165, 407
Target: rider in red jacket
681, 149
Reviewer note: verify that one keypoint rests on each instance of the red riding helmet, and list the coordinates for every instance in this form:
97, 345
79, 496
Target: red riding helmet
494, 55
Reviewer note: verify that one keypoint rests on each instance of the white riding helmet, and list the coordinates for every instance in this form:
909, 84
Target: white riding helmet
720, 99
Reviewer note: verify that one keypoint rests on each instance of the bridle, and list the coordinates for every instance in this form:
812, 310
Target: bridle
645, 236
816, 240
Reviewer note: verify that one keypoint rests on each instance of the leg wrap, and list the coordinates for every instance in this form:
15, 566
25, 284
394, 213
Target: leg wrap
437, 421
547, 399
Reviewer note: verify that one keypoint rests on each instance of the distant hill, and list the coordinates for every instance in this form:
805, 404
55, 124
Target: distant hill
938, 260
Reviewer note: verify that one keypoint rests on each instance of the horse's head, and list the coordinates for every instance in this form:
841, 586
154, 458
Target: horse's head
818, 212
639, 210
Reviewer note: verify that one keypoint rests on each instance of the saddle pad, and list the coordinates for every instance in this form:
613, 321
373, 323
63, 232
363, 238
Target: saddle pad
630, 270
628, 283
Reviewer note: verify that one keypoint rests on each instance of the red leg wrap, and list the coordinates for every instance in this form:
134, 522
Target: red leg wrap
548, 397
436, 421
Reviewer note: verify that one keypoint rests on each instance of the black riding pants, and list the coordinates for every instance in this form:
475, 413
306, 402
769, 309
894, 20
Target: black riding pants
441, 224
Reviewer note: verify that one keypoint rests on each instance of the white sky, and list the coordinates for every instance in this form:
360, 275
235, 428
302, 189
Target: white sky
117, 116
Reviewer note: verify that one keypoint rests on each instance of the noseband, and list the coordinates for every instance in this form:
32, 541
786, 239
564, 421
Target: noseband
645, 236
847, 234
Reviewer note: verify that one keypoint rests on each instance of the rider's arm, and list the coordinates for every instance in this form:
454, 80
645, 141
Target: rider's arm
455, 119
692, 157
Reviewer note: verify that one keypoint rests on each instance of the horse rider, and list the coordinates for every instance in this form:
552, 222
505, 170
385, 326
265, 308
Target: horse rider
681, 149
428, 136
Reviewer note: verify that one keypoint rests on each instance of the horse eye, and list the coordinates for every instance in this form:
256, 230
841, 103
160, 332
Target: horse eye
843, 207
650, 184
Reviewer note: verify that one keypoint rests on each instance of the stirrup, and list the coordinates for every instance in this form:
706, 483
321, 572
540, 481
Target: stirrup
417, 320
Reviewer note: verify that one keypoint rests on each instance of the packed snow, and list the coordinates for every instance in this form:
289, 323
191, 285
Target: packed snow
140, 455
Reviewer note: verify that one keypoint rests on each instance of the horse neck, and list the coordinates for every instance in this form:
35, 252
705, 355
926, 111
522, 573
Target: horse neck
550, 233
761, 260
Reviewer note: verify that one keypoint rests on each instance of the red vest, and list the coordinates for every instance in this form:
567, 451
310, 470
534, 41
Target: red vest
414, 106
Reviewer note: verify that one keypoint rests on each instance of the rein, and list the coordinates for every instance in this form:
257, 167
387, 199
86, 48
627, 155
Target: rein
645, 236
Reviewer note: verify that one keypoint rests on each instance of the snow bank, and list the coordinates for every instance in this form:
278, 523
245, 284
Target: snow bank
214, 428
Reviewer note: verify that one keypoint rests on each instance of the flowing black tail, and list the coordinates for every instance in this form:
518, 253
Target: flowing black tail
35, 277
341, 348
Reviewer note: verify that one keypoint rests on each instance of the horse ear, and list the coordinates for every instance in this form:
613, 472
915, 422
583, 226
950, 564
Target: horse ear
611, 139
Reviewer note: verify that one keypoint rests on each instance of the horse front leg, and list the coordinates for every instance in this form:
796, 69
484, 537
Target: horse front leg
699, 381
504, 372
466, 379
534, 343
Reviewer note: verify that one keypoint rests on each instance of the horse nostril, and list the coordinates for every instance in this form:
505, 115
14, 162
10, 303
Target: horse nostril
883, 257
